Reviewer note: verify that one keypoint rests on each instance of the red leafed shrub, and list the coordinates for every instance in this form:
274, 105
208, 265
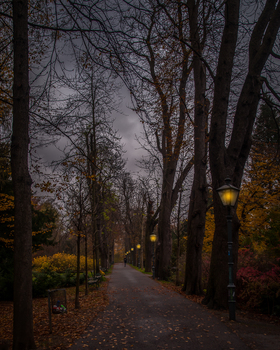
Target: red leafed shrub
258, 282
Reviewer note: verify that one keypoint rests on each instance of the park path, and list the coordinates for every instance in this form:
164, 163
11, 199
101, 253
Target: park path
146, 316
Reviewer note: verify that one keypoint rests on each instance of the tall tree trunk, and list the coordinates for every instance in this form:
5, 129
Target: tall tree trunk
104, 249
113, 252
142, 242
230, 161
196, 218
77, 302
178, 239
23, 338
149, 231
86, 262
219, 274
198, 199
216, 296
103, 236
97, 235
170, 146
164, 232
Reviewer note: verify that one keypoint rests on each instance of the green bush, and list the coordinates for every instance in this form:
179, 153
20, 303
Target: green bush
68, 279
42, 281
48, 279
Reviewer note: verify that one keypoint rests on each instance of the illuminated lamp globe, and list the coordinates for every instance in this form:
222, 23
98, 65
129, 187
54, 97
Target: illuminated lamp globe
228, 194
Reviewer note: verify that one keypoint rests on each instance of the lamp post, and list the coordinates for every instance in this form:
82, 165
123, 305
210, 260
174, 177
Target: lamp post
153, 238
138, 247
228, 195
132, 255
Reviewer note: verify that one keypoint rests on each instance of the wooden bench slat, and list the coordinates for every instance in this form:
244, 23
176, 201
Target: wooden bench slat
94, 281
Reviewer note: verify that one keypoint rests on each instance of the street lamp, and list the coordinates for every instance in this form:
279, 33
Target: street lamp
153, 238
228, 195
132, 255
138, 247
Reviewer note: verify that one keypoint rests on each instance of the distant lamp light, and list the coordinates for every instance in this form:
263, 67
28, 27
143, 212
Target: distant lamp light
153, 238
138, 247
228, 194
132, 249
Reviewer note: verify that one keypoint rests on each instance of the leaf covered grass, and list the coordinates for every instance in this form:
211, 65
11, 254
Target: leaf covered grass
141, 270
66, 328
178, 289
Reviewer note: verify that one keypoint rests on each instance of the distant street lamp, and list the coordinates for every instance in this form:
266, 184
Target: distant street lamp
138, 247
132, 255
228, 195
153, 239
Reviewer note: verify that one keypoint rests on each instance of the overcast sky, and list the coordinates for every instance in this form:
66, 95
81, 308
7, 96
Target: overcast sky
126, 124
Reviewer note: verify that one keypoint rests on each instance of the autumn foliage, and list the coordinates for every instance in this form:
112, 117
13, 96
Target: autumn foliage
258, 282
60, 262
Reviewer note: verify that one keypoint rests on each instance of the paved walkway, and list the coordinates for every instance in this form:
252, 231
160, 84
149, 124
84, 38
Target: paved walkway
146, 316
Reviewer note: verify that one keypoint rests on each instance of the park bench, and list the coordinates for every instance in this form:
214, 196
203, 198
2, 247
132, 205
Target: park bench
94, 282
98, 276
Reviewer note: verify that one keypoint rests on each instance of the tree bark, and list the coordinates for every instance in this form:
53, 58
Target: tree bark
79, 228
149, 230
164, 232
216, 296
230, 161
86, 263
178, 238
77, 302
198, 199
171, 143
104, 244
97, 239
23, 313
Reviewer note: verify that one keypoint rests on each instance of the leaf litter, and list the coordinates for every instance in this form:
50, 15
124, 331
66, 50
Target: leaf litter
66, 328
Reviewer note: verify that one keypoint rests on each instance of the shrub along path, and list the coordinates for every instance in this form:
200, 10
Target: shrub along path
143, 314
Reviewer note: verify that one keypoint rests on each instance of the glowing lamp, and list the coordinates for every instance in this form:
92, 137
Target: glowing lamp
228, 194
